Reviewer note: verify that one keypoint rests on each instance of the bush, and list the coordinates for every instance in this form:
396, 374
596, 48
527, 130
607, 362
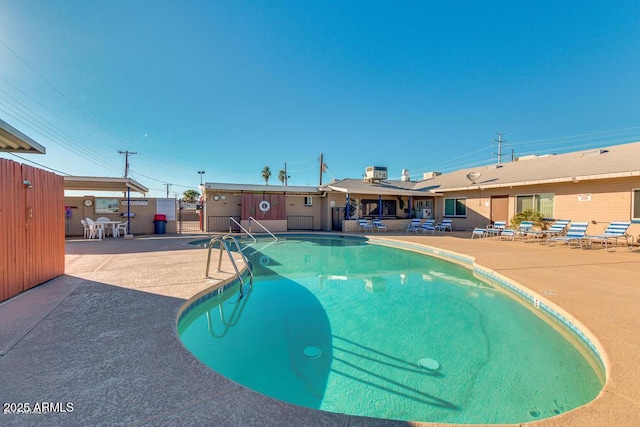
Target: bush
528, 215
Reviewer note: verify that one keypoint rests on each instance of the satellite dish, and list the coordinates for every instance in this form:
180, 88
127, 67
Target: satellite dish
472, 176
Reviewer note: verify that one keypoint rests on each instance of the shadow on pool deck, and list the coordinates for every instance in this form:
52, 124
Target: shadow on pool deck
103, 336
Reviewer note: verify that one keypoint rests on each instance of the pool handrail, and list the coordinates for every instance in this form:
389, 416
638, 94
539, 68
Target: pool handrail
263, 227
232, 219
225, 245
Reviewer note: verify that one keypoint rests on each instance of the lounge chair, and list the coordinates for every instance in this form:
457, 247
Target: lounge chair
576, 233
609, 239
479, 232
557, 229
378, 225
428, 226
495, 229
445, 225
364, 225
525, 227
414, 225
508, 234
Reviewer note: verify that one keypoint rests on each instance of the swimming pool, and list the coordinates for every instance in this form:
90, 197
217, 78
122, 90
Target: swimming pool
346, 326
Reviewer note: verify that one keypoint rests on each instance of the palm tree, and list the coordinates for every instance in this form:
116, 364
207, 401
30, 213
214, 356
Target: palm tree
266, 174
282, 176
190, 196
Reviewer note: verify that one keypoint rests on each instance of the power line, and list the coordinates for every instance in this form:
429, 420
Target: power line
38, 164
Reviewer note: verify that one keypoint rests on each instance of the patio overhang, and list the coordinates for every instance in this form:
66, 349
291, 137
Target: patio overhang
92, 183
12, 140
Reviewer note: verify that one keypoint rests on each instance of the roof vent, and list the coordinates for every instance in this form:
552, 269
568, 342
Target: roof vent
491, 167
594, 152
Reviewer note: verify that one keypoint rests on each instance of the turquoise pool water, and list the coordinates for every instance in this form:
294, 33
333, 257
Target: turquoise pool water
342, 325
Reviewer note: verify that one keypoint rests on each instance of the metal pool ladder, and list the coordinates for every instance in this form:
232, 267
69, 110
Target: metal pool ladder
224, 245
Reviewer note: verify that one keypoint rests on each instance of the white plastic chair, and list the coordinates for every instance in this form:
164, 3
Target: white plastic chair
86, 228
121, 227
106, 230
95, 229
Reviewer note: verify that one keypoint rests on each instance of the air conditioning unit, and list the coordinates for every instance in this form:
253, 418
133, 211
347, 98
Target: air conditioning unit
430, 175
375, 173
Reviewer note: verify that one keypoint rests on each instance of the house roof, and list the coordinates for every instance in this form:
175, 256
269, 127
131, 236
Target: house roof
13, 140
614, 161
94, 183
382, 188
248, 188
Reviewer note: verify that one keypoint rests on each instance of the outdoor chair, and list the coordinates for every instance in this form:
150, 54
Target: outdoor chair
445, 225
122, 227
378, 225
558, 228
428, 227
525, 228
609, 239
508, 234
495, 229
414, 225
576, 233
106, 230
86, 229
364, 225
96, 230
479, 233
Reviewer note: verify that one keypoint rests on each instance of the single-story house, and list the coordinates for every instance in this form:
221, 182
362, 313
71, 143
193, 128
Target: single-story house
595, 185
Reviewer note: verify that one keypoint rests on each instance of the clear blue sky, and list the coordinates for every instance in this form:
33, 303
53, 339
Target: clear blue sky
229, 87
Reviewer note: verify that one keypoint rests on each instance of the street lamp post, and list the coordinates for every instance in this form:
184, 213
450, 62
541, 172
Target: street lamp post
200, 173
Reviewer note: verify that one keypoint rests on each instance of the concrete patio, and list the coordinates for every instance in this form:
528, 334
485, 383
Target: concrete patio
103, 336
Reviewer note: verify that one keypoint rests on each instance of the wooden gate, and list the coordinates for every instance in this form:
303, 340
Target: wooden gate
32, 219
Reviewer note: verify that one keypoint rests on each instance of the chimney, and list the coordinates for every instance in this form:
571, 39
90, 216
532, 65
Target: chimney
405, 175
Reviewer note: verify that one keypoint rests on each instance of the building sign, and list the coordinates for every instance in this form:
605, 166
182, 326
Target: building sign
584, 197
136, 202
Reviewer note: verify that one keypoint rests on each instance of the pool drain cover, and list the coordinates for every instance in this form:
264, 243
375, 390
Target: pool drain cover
429, 364
312, 352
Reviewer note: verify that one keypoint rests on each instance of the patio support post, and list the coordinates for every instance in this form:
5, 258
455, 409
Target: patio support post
347, 209
128, 210
410, 205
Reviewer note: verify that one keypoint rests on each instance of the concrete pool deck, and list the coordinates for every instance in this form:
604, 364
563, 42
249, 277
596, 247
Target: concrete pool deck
103, 336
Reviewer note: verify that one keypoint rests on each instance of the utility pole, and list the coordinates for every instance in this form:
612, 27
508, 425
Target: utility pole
500, 141
320, 169
285, 174
167, 185
126, 161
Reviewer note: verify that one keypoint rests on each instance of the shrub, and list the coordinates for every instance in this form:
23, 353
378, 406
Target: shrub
529, 215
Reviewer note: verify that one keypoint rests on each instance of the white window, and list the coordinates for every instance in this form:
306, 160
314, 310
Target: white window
541, 203
308, 201
635, 204
455, 207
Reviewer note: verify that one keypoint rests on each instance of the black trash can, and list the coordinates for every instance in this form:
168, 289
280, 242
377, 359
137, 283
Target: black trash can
160, 224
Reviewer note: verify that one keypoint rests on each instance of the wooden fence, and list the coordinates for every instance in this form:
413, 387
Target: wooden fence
32, 218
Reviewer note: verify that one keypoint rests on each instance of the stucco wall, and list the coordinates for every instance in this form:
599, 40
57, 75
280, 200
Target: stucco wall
142, 223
